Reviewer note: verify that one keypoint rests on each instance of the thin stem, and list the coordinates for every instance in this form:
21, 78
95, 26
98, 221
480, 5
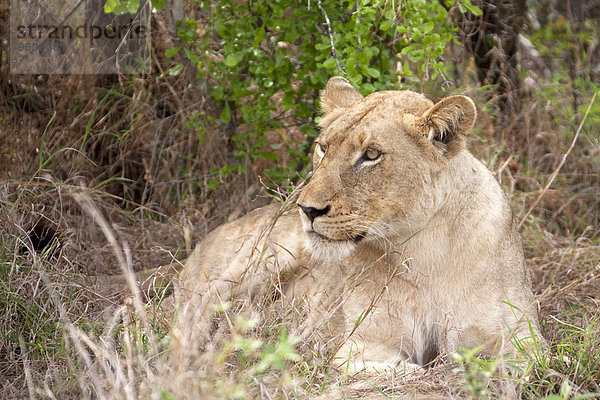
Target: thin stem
560, 165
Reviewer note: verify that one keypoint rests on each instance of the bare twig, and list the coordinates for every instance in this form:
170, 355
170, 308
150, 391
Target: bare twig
560, 165
119, 251
26, 368
123, 254
330, 31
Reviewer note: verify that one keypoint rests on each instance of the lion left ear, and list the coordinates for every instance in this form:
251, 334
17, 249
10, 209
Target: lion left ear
338, 93
448, 123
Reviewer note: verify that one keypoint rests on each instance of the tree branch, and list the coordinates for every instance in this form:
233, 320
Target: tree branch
330, 30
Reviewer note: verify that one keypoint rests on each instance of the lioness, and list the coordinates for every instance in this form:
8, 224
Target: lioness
403, 245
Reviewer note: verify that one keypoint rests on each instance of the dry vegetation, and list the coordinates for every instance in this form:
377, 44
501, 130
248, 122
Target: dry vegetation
101, 175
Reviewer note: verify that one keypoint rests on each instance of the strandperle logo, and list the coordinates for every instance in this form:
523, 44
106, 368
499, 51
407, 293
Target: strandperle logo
131, 30
77, 37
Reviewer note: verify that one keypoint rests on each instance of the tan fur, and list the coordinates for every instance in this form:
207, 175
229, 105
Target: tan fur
415, 240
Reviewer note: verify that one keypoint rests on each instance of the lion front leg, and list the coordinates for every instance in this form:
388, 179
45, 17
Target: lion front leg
237, 262
357, 357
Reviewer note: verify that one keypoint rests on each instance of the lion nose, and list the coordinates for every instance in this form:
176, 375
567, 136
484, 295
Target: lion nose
312, 212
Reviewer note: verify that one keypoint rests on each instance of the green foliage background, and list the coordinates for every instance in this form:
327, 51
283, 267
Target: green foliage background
250, 51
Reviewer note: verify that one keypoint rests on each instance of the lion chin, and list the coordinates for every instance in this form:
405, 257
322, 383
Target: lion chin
327, 250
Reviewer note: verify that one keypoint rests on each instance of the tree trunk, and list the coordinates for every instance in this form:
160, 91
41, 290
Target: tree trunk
492, 40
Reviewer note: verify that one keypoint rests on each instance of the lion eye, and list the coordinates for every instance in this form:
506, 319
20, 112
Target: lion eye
320, 149
371, 154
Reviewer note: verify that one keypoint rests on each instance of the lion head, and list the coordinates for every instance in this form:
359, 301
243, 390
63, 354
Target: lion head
376, 164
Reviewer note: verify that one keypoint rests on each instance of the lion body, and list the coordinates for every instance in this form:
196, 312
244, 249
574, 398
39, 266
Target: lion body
404, 247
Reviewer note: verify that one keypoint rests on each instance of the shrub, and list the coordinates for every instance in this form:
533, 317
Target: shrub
250, 53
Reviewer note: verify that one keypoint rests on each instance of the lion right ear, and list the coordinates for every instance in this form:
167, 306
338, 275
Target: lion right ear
338, 93
448, 123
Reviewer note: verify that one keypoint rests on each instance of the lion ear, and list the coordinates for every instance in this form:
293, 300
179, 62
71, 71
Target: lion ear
448, 123
338, 93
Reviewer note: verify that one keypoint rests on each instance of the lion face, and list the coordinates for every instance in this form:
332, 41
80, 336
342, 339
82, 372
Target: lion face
375, 166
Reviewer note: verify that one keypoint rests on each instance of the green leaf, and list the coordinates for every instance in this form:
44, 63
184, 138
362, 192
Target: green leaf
174, 71
322, 46
473, 9
164, 394
193, 57
386, 25
267, 155
428, 27
329, 63
279, 57
212, 184
407, 49
172, 51
226, 170
288, 101
373, 72
260, 35
367, 88
221, 28
132, 6
110, 6
234, 59
225, 114
121, 8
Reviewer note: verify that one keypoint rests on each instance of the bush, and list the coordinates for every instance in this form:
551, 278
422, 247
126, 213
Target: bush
261, 61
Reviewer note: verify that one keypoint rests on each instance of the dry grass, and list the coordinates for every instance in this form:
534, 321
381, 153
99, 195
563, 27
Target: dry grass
62, 339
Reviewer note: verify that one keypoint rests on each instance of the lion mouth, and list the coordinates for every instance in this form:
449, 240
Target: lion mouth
327, 249
351, 238
359, 237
